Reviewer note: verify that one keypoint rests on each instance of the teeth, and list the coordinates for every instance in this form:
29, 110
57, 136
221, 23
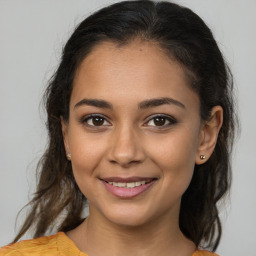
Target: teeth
127, 184
121, 185
131, 184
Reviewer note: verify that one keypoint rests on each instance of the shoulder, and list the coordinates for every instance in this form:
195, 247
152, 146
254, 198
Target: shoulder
35, 246
204, 253
55, 245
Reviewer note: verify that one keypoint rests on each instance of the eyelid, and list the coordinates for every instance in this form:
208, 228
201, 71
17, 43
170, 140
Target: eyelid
84, 120
171, 120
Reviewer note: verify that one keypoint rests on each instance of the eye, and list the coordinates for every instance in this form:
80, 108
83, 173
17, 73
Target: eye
161, 121
95, 120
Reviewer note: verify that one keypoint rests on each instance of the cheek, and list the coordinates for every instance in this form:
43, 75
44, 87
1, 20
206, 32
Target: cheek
176, 148
87, 152
175, 157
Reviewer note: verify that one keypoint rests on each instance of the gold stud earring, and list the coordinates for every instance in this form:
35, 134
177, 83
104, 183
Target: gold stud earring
202, 157
69, 156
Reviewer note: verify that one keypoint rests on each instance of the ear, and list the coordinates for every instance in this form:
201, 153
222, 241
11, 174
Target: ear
209, 135
64, 128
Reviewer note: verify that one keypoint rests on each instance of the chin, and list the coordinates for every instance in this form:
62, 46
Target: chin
128, 218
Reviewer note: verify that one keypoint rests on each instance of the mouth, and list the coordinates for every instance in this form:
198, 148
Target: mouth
128, 184
127, 187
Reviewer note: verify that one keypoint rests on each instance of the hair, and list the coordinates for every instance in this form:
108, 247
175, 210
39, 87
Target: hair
185, 38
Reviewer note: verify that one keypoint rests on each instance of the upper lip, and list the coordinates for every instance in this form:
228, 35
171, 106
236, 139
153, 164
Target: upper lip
127, 179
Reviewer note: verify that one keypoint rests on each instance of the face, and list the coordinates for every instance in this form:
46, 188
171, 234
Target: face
133, 133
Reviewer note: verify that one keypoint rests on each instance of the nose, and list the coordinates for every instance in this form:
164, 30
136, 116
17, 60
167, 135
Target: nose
126, 147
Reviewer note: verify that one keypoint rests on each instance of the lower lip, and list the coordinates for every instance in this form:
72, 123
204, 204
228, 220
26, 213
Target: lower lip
127, 192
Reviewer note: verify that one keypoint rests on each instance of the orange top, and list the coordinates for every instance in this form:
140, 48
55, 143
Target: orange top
55, 245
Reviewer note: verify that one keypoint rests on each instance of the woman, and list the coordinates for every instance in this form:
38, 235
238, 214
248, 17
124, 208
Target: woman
141, 124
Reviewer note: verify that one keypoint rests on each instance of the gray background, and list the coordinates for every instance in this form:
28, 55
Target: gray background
32, 34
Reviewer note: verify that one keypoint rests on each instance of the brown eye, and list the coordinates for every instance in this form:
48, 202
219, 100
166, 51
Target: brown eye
159, 121
95, 120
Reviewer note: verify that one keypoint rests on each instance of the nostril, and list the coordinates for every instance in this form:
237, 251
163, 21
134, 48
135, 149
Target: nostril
125, 148
125, 164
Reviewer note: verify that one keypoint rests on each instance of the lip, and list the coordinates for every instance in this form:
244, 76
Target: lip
127, 179
124, 192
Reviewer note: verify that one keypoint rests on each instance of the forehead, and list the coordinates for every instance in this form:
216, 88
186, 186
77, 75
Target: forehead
137, 55
137, 70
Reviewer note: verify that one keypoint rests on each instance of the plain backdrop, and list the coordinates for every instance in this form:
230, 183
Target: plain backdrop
32, 34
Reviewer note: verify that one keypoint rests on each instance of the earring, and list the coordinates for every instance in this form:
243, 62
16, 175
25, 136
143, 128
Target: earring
69, 156
202, 157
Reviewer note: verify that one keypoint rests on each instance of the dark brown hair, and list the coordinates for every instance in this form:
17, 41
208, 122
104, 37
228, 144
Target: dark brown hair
184, 37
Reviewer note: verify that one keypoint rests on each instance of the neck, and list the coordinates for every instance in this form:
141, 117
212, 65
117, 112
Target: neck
98, 236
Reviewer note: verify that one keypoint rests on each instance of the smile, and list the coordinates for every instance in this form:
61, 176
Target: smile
129, 187
128, 184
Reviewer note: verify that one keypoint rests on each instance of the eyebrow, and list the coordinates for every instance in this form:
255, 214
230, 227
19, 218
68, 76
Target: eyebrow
95, 103
160, 101
142, 105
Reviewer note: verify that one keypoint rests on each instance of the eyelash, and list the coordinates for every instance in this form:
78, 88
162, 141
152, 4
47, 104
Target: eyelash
85, 120
166, 118
171, 121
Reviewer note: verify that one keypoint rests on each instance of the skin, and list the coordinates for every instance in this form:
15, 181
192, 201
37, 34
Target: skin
129, 142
